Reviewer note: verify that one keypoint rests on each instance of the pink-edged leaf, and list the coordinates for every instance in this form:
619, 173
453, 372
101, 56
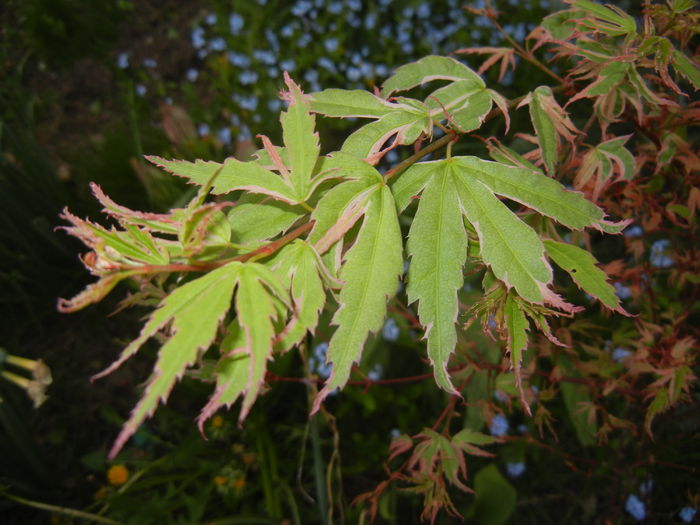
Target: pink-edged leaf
194, 311
232, 175
370, 273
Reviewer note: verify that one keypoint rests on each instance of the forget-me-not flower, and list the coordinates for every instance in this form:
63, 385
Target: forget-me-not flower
499, 425
635, 507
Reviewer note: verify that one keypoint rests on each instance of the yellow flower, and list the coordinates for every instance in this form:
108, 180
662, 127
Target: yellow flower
217, 422
220, 480
117, 475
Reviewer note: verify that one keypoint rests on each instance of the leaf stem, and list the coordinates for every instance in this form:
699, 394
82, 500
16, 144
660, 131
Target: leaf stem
405, 164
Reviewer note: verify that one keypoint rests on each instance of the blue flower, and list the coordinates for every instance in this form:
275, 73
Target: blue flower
192, 74
235, 23
659, 257
370, 21
423, 10
274, 104
304, 40
210, 19
218, 44
311, 76
141, 90
331, 44
265, 56
224, 135
635, 507
500, 395
197, 37
619, 355
149, 63
244, 133
202, 130
515, 470
288, 65
633, 231
335, 8
376, 373
327, 64
353, 73
272, 39
499, 425
123, 60
301, 7
287, 31
272, 72
250, 103
392, 157
238, 59
622, 291
247, 77
686, 514
391, 330
355, 5
318, 362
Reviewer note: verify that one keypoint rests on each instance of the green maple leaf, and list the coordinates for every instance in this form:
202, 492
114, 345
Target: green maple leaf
463, 103
581, 266
437, 245
301, 268
194, 312
371, 267
517, 326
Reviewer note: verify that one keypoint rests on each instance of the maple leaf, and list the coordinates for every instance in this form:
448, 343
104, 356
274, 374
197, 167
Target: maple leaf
370, 268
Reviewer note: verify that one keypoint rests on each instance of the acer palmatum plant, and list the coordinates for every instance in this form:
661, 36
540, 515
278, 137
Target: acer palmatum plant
244, 276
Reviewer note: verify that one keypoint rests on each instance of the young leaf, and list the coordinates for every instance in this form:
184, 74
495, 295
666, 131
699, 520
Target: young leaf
437, 244
549, 121
610, 20
411, 183
509, 246
232, 175
231, 372
370, 274
404, 125
425, 70
581, 266
343, 103
343, 205
517, 326
299, 268
300, 139
258, 217
256, 311
195, 310
464, 103
535, 190
687, 68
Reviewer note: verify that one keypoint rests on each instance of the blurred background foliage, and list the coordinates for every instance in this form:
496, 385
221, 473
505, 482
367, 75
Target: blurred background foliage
86, 88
